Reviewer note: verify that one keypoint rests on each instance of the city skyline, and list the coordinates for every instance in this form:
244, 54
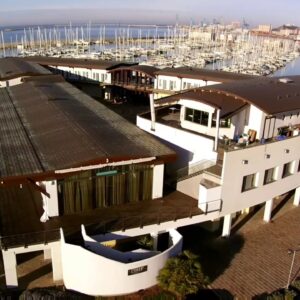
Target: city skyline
33, 12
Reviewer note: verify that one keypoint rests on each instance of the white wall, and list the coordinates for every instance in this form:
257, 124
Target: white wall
125, 257
234, 170
255, 121
76, 73
200, 147
11, 82
158, 83
94, 275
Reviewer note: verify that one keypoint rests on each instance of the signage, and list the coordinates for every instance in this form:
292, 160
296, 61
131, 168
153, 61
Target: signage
137, 270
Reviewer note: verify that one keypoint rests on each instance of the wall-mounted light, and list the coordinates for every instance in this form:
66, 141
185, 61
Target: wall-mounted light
267, 156
245, 162
286, 150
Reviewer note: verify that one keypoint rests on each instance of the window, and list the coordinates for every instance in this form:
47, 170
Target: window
97, 76
249, 182
270, 175
164, 85
102, 77
172, 85
287, 169
197, 116
224, 123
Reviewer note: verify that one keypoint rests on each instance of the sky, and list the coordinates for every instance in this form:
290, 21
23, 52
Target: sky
31, 12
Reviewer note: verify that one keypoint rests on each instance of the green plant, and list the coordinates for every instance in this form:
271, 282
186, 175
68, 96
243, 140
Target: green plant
146, 242
182, 275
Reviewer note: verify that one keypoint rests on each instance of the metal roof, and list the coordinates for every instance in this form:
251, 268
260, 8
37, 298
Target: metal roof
227, 105
14, 67
78, 63
149, 70
52, 126
272, 95
203, 74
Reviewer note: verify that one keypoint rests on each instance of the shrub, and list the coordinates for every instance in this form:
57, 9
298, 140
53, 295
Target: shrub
182, 275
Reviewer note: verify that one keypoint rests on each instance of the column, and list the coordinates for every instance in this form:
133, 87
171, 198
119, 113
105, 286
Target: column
51, 188
227, 225
158, 181
152, 111
10, 268
154, 237
217, 130
297, 197
56, 261
47, 254
268, 211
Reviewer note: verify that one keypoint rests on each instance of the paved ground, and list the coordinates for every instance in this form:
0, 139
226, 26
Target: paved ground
263, 263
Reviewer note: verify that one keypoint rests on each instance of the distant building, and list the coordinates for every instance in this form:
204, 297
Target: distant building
264, 28
286, 30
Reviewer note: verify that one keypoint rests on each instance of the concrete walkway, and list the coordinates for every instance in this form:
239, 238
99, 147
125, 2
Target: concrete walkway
263, 263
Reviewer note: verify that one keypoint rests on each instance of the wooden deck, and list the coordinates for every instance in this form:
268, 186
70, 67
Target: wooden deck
21, 209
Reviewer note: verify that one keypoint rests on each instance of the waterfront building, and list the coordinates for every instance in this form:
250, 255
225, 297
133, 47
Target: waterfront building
169, 81
77, 180
67, 160
237, 143
92, 71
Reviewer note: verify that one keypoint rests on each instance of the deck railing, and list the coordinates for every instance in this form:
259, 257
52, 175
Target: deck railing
115, 223
32, 238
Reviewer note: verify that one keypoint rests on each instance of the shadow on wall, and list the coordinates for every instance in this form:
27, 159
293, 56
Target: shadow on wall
183, 157
215, 253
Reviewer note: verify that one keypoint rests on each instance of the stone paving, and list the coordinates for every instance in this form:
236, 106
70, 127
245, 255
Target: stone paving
263, 263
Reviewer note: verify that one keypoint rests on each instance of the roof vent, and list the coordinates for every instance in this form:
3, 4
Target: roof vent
285, 80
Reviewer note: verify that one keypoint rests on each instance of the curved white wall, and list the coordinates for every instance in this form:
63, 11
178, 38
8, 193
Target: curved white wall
92, 274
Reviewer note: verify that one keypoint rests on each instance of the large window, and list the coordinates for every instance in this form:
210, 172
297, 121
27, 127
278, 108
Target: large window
287, 169
270, 175
197, 116
105, 187
249, 182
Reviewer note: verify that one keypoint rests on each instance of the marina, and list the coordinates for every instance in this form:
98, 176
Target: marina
213, 47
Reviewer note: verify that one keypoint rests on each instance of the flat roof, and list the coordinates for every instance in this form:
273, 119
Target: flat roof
52, 126
203, 74
78, 62
14, 67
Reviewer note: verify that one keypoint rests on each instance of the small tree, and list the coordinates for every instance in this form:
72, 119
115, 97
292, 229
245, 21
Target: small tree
182, 275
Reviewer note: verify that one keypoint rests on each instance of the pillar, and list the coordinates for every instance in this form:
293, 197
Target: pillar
268, 210
297, 197
152, 111
56, 261
217, 130
158, 181
227, 225
47, 254
10, 268
155, 240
